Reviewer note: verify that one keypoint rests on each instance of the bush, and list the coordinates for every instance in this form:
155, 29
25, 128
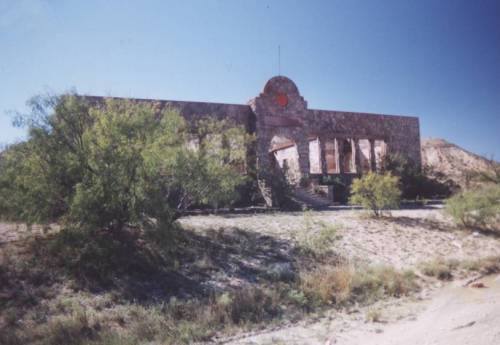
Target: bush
487, 265
327, 284
376, 192
316, 237
344, 283
373, 282
117, 163
417, 183
478, 208
439, 268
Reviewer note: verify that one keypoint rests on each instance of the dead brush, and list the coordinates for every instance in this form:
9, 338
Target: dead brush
439, 268
317, 237
373, 282
250, 304
77, 328
327, 284
488, 265
346, 283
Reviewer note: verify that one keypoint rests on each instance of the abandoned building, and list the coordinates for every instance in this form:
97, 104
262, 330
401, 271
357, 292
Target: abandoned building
309, 144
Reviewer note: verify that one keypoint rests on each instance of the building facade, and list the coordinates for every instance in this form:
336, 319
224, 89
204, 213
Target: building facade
304, 142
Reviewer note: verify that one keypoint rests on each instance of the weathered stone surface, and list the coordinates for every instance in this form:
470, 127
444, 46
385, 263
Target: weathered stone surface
350, 142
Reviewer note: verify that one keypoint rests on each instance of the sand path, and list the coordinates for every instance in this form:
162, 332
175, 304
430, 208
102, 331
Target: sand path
454, 314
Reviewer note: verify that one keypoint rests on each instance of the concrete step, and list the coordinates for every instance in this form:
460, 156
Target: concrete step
310, 199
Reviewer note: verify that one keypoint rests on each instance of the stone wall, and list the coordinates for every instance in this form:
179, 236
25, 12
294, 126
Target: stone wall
348, 142
280, 110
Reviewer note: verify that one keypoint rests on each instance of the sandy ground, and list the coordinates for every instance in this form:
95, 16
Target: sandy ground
404, 240
440, 314
454, 314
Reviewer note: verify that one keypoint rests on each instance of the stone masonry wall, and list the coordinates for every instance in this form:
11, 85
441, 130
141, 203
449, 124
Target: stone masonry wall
280, 111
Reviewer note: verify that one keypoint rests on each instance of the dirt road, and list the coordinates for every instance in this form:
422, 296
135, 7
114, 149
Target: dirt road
451, 315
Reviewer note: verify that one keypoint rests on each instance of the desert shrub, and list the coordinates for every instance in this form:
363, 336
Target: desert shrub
439, 268
115, 163
97, 257
373, 282
316, 237
376, 192
476, 208
486, 265
253, 305
344, 283
416, 182
327, 284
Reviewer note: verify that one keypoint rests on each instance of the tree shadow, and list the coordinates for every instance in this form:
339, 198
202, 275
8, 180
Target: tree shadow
219, 256
434, 225
428, 224
135, 268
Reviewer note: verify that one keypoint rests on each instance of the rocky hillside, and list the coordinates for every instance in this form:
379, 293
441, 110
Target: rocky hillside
449, 161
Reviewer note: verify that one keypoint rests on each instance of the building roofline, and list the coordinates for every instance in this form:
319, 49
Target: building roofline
347, 112
350, 112
160, 100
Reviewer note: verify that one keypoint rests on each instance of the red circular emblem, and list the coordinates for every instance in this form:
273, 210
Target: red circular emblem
282, 99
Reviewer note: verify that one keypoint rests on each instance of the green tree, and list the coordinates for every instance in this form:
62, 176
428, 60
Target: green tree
376, 192
416, 182
476, 208
111, 163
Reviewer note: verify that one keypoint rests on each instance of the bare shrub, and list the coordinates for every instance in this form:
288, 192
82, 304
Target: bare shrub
345, 283
479, 208
373, 282
317, 237
328, 285
488, 265
439, 268
75, 329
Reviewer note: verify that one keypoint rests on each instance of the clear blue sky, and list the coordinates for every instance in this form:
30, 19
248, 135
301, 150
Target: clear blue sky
439, 60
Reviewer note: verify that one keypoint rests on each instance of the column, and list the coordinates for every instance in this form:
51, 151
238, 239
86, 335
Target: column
322, 150
303, 150
339, 154
357, 156
373, 164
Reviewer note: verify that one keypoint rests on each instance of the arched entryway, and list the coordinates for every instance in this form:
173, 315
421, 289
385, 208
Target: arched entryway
284, 157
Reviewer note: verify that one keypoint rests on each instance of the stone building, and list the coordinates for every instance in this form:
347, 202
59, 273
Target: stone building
306, 143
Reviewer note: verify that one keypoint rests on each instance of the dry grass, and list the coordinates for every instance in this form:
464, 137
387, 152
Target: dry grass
176, 322
316, 237
346, 283
488, 265
373, 315
374, 282
445, 269
47, 300
439, 268
327, 285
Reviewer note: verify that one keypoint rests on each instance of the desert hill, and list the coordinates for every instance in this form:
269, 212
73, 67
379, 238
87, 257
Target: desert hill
451, 162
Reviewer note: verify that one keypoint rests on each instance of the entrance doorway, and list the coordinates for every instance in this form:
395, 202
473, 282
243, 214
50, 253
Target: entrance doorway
284, 157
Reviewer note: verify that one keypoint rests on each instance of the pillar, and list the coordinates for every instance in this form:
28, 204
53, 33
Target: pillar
339, 154
357, 156
303, 150
322, 150
373, 163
